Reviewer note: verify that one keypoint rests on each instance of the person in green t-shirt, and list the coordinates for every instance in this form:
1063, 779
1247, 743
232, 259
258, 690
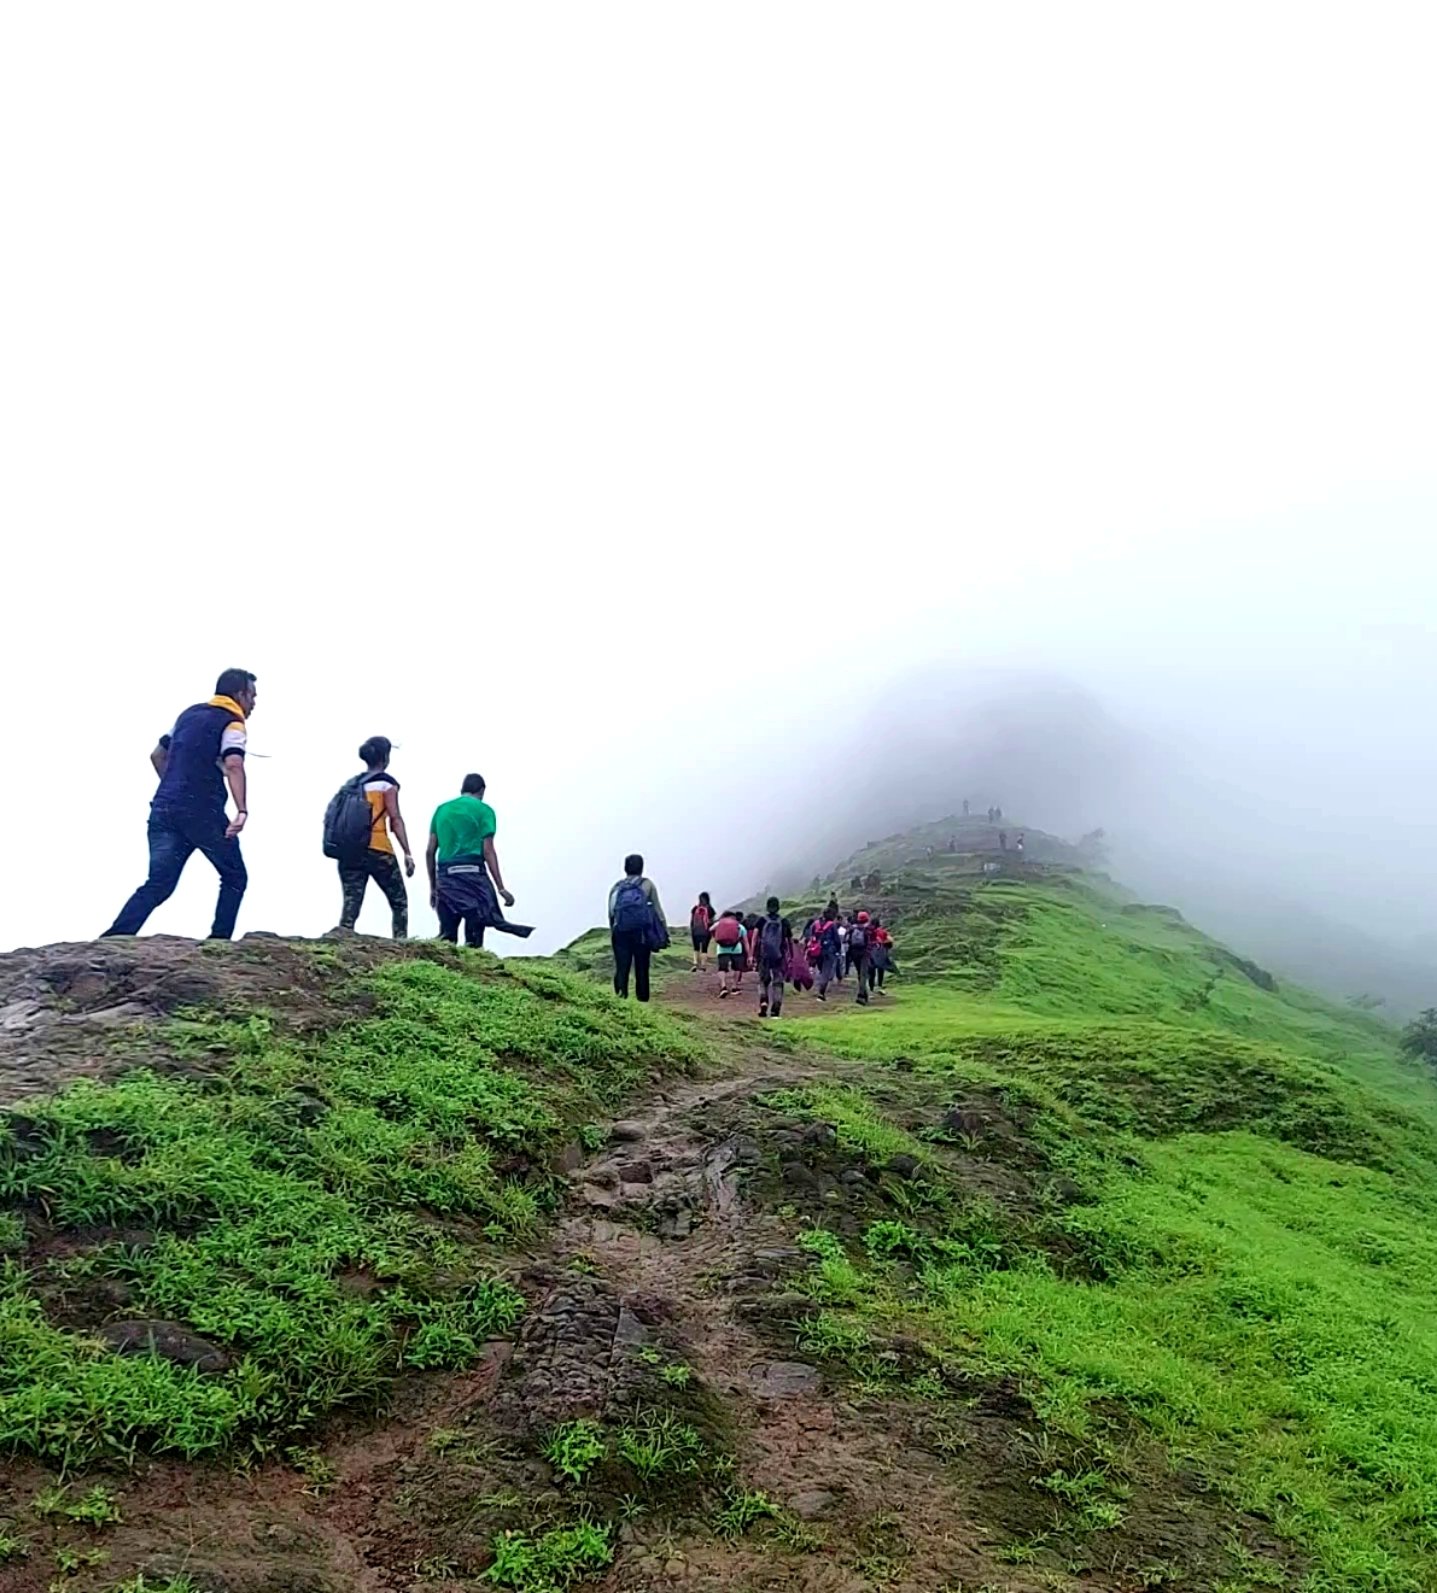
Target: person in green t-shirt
461, 861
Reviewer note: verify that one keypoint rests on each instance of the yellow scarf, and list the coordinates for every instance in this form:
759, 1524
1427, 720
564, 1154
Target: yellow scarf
231, 704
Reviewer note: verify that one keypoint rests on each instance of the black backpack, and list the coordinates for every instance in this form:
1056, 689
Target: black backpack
348, 821
858, 937
770, 944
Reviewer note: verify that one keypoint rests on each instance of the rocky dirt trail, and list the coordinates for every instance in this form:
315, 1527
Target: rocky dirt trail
665, 1216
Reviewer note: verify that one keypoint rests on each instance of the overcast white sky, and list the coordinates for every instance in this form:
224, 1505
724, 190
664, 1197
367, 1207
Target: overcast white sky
497, 378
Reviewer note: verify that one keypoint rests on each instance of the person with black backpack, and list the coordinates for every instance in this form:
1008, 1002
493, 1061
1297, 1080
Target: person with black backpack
775, 942
860, 948
637, 927
357, 830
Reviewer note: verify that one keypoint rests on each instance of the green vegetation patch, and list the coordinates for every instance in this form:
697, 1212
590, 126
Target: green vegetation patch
321, 1214
1256, 1298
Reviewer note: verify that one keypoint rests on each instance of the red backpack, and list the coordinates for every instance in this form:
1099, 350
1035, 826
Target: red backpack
727, 931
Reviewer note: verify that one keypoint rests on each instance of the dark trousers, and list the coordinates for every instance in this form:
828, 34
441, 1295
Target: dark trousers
631, 950
450, 919
173, 839
770, 986
383, 868
858, 961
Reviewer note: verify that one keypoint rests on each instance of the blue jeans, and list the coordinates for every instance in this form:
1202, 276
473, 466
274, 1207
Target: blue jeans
173, 838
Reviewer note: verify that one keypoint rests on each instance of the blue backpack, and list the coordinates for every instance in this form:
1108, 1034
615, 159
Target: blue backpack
632, 912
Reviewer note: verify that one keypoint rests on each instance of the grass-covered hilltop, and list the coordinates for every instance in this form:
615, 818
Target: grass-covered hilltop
1089, 1257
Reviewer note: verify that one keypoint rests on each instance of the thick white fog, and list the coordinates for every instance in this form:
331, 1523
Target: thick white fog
735, 434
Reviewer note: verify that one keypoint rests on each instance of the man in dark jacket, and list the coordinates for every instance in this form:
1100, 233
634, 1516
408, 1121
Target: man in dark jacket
202, 755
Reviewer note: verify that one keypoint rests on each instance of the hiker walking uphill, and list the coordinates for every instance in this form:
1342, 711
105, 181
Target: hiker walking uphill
357, 830
860, 949
825, 949
461, 861
196, 761
730, 935
701, 930
775, 942
637, 927
880, 960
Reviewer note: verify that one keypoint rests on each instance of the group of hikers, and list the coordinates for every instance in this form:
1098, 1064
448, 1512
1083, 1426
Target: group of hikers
832, 947
201, 761
200, 764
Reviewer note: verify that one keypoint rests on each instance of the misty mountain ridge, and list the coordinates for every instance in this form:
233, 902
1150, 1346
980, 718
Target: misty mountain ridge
1284, 934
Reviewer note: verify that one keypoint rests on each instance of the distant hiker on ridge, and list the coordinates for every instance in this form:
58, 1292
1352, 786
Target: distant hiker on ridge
637, 927
860, 948
730, 934
829, 951
1003, 839
195, 762
701, 930
462, 861
357, 829
775, 942
880, 961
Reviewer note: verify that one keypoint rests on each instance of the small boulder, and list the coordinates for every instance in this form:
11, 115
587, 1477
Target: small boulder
636, 1173
904, 1166
626, 1133
169, 1341
785, 1379
964, 1120
812, 1504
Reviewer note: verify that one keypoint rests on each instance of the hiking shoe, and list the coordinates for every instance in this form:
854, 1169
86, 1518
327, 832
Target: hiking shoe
763, 1009
820, 996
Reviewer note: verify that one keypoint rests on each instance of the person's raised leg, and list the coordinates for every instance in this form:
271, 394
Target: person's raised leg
775, 994
169, 852
385, 870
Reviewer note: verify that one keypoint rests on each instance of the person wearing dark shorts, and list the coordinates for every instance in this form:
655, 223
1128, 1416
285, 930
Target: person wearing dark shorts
701, 930
730, 934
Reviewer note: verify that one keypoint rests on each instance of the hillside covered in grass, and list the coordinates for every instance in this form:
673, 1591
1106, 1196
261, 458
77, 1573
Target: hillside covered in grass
1089, 1258
1185, 1203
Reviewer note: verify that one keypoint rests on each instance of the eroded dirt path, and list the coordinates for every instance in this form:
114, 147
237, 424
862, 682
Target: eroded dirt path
665, 1215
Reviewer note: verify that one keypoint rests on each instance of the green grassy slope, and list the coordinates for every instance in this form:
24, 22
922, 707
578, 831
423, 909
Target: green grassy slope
1226, 1230
322, 1209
